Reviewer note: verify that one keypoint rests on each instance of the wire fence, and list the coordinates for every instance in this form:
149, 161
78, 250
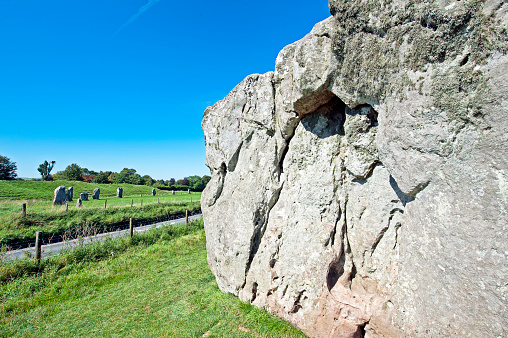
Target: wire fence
92, 229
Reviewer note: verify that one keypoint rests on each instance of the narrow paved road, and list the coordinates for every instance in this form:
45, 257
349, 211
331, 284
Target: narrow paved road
52, 249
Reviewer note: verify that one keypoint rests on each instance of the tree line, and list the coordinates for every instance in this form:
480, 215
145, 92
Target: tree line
74, 172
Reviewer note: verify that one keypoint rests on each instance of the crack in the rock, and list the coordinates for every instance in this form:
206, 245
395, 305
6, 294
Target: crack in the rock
296, 305
286, 149
259, 230
334, 230
234, 159
368, 173
220, 185
269, 131
385, 229
254, 292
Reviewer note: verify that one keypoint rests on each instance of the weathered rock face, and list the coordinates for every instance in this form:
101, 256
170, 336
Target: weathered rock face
84, 196
362, 187
59, 196
96, 193
154, 192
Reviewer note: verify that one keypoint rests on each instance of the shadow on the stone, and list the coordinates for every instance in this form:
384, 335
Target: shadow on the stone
327, 120
403, 197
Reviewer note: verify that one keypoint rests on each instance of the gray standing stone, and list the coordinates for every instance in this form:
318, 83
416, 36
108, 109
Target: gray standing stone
84, 196
154, 192
368, 175
69, 193
59, 198
79, 204
172, 192
96, 193
119, 192
188, 191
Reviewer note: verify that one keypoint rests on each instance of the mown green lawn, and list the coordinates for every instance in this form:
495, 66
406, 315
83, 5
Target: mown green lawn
156, 285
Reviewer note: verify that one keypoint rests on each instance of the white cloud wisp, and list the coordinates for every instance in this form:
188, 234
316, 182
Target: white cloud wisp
133, 18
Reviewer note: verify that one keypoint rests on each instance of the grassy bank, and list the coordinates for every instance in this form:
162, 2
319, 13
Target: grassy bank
156, 285
40, 190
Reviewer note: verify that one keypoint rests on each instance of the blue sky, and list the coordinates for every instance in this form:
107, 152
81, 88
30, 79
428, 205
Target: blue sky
114, 84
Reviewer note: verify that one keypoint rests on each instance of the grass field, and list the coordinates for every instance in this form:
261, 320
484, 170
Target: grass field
43, 216
40, 190
156, 285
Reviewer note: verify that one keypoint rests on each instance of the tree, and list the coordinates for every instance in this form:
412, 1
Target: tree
160, 182
199, 183
45, 168
128, 176
147, 180
185, 181
193, 180
112, 177
172, 181
85, 171
102, 177
73, 172
7, 169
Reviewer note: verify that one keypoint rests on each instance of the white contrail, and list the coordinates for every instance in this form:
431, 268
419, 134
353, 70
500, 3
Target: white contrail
137, 15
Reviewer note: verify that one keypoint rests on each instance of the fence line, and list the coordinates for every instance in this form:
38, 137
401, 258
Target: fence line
96, 229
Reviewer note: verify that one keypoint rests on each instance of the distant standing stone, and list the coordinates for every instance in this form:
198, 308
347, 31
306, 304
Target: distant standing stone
96, 193
172, 192
79, 204
84, 196
188, 191
68, 194
154, 192
119, 192
59, 198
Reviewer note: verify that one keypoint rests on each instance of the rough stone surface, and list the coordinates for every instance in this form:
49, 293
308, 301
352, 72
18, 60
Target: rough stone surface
84, 196
69, 194
96, 193
362, 187
59, 196
79, 203
119, 192
154, 192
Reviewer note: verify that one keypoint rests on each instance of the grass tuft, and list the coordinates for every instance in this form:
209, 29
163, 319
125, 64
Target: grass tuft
157, 284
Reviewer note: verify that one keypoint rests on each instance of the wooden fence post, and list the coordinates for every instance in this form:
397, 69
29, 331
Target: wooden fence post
66, 206
187, 217
38, 244
141, 202
158, 200
191, 199
131, 228
105, 203
23, 209
132, 202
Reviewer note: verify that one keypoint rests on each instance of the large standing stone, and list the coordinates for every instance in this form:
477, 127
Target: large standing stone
69, 193
59, 196
79, 203
154, 192
361, 188
96, 193
119, 192
84, 196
